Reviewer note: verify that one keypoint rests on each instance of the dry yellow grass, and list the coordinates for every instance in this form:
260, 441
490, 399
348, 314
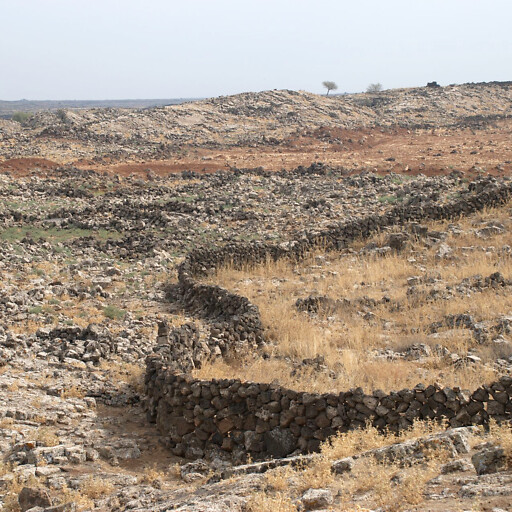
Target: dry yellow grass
280, 479
91, 488
263, 501
10, 496
501, 433
26, 327
359, 440
376, 484
46, 436
388, 486
120, 371
95, 487
151, 475
347, 338
6, 423
73, 392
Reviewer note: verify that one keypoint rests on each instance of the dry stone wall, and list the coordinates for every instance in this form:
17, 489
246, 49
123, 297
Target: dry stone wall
201, 417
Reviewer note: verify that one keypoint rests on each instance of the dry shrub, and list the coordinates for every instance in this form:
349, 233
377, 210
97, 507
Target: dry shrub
81, 501
91, 488
387, 485
382, 483
12, 489
262, 502
26, 327
422, 428
5, 468
355, 441
279, 479
316, 475
10, 496
46, 437
95, 487
174, 471
73, 392
151, 476
6, 422
130, 373
346, 444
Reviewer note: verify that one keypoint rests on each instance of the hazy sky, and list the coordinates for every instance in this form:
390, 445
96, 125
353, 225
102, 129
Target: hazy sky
107, 49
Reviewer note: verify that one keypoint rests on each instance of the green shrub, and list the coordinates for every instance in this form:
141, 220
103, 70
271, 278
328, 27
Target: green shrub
114, 313
391, 199
22, 117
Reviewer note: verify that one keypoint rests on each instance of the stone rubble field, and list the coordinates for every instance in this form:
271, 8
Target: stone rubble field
86, 261
230, 129
111, 315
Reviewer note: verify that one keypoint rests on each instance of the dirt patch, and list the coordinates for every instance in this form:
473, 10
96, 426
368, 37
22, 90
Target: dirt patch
131, 423
166, 167
431, 152
19, 167
382, 150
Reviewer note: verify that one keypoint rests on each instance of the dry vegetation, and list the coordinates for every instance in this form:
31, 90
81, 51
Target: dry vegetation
371, 483
352, 339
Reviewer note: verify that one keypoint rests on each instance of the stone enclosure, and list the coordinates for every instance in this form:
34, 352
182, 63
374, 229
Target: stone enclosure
201, 418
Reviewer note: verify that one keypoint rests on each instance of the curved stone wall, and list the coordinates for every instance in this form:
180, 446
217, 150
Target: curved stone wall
201, 417
263, 420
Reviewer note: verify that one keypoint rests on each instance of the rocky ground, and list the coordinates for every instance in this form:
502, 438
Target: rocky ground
416, 130
420, 303
87, 256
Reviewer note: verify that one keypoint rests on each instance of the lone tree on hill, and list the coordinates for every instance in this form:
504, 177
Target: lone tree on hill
374, 88
330, 86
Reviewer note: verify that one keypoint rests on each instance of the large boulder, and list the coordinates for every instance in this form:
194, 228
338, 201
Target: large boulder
279, 442
489, 460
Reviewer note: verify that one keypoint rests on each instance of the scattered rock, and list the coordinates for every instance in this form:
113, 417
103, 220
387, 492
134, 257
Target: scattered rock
489, 460
315, 499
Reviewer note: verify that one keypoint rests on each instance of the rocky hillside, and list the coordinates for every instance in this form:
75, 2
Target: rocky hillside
256, 118
88, 270
248, 116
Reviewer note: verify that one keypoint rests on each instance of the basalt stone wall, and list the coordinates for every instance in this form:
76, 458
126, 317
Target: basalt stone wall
203, 261
232, 316
261, 419
236, 320
200, 418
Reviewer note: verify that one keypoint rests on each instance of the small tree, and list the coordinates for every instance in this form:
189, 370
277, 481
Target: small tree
330, 86
374, 88
61, 115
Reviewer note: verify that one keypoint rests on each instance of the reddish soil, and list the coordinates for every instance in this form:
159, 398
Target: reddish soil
380, 150
428, 152
24, 166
